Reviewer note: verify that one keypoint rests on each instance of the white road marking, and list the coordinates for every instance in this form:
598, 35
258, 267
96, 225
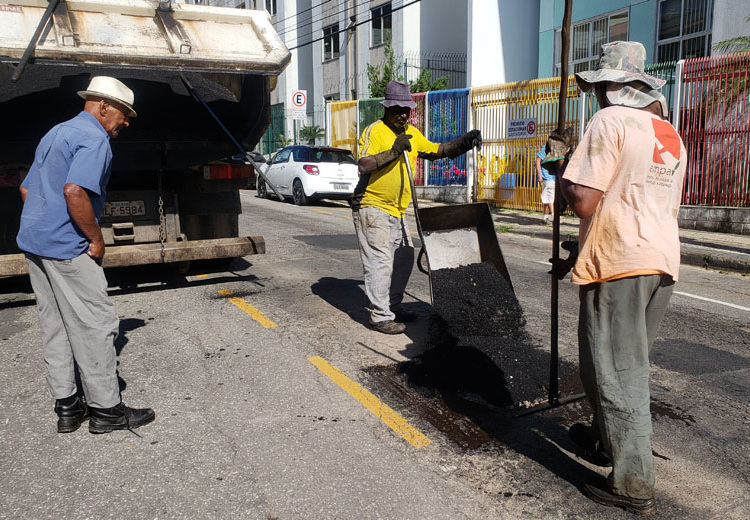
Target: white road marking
740, 307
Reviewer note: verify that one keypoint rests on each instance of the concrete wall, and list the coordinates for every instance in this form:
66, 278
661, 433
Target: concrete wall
724, 220
502, 41
729, 19
443, 27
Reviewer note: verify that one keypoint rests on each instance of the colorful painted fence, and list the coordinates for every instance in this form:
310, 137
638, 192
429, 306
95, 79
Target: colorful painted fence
709, 100
447, 119
515, 120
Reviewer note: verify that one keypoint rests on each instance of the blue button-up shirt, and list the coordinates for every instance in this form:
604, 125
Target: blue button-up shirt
74, 152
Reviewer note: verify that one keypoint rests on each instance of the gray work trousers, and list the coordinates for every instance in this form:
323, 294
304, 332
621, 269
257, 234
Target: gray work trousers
79, 326
387, 259
618, 322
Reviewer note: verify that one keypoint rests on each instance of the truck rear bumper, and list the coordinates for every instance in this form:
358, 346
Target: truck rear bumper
140, 254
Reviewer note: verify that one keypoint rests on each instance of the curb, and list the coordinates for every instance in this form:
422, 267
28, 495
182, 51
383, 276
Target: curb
705, 257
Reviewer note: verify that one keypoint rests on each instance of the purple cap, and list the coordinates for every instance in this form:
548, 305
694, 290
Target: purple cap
397, 94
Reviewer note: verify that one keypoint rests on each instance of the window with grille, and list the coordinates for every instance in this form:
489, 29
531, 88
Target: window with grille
683, 29
586, 39
381, 24
331, 42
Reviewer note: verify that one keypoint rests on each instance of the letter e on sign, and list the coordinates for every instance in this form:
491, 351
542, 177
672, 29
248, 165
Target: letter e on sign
298, 104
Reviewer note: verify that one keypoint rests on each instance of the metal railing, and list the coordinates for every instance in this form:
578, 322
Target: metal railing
714, 124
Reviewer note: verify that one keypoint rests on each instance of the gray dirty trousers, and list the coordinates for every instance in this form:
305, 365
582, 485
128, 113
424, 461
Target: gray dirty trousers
618, 322
79, 326
387, 259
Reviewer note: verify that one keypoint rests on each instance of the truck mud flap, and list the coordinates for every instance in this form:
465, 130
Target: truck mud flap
140, 254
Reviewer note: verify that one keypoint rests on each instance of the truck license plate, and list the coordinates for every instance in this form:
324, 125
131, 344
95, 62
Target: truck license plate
124, 208
340, 186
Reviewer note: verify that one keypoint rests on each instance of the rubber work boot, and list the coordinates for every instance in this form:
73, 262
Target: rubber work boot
120, 417
590, 448
388, 327
599, 492
70, 416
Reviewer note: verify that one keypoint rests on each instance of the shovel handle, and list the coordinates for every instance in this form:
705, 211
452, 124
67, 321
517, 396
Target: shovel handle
422, 251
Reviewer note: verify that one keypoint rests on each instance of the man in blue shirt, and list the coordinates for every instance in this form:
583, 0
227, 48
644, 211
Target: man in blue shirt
547, 180
63, 195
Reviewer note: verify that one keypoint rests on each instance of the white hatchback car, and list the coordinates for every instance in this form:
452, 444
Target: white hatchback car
305, 173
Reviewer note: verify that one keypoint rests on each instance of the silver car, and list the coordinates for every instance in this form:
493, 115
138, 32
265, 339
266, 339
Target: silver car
305, 173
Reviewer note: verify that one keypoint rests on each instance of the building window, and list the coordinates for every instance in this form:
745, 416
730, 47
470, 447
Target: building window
331, 42
268, 5
381, 24
683, 29
587, 39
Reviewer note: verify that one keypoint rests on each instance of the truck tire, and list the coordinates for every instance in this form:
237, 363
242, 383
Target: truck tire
298, 193
262, 189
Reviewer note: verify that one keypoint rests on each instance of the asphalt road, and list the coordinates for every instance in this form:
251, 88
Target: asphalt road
273, 399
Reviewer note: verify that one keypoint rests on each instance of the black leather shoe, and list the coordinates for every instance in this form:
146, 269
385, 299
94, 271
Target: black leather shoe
639, 506
404, 316
590, 449
120, 417
70, 417
388, 327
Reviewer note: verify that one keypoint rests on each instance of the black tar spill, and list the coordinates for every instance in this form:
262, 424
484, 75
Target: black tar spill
482, 365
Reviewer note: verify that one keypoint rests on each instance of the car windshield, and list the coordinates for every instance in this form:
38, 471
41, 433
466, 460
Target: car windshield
332, 156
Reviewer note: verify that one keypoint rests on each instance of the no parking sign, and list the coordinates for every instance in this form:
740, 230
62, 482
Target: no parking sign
298, 104
522, 128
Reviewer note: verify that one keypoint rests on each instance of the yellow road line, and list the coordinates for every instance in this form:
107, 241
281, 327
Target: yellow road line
322, 211
382, 411
201, 275
249, 310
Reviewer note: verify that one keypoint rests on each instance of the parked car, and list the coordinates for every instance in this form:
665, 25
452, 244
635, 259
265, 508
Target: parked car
305, 173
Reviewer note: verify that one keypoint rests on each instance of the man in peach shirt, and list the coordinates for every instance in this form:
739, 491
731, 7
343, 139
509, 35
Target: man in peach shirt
624, 181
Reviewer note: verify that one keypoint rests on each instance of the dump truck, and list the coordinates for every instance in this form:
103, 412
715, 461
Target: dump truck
202, 78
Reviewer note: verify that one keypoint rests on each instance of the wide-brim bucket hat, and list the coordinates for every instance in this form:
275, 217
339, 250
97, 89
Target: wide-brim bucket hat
112, 89
620, 62
397, 94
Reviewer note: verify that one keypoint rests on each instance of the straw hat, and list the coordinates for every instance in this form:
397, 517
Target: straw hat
397, 94
620, 62
110, 88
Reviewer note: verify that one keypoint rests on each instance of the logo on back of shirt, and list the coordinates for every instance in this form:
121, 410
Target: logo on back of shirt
667, 141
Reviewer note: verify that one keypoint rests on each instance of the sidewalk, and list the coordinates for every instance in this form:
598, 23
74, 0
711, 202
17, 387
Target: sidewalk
698, 248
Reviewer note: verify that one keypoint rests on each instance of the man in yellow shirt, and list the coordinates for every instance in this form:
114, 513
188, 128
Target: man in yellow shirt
625, 183
380, 201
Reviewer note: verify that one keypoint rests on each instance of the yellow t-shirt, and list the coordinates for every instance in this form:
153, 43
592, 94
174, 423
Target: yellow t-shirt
638, 160
388, 187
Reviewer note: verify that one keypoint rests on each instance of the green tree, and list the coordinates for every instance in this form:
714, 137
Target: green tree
380, 76
311, 133
424, 82
284, 141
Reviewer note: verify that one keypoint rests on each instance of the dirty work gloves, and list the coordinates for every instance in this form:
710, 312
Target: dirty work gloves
559, 145
400, 145
562, 266
463, 144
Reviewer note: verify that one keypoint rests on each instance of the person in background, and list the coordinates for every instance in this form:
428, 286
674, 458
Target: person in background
63, 196
380, 200
625, 182
547, 180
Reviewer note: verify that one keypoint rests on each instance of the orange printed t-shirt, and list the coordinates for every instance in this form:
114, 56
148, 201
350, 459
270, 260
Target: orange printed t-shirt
638, 160
388, 188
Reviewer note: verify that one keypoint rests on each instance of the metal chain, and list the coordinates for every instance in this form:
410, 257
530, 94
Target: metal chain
162, 218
